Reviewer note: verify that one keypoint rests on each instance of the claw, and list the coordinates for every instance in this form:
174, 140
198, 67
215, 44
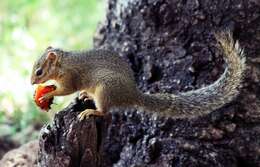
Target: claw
44, 98
89, 112
83, 95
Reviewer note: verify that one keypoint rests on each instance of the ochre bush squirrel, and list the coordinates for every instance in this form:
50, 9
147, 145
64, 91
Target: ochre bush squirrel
107, 78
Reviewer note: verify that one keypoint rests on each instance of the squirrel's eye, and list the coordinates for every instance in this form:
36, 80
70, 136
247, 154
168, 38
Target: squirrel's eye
38, 72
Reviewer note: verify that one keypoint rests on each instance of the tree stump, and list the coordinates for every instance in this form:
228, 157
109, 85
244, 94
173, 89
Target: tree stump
171, 48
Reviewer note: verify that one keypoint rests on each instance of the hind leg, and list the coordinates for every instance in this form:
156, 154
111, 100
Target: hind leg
100, 99
89, 112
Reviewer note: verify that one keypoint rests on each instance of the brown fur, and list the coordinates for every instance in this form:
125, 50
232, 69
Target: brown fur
109, 81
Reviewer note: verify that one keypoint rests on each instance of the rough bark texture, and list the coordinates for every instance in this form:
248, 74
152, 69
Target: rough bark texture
6, 145
171, 48
24, 156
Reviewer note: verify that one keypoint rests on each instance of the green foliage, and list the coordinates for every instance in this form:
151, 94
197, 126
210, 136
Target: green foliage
27, 27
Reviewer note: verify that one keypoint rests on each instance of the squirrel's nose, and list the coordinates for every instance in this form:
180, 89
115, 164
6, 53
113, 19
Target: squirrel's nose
33, 81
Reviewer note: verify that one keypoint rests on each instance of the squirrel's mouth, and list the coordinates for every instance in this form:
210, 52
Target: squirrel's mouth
49, 82
37, 81
34, 81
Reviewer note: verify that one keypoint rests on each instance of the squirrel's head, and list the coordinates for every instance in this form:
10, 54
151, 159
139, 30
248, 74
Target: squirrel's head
46, 67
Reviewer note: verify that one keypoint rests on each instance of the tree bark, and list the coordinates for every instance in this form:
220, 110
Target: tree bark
171, 48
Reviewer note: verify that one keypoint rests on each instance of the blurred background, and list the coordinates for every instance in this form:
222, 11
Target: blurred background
27, 27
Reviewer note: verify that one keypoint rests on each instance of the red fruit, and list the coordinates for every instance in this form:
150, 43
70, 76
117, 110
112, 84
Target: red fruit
40, 91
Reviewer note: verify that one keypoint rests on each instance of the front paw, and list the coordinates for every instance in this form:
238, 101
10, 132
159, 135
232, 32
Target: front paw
45, 97
83, 95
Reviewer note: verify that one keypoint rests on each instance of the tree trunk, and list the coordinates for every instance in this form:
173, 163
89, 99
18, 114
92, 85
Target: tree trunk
171, 48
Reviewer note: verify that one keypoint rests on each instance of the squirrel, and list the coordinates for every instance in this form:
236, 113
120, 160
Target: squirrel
107, 78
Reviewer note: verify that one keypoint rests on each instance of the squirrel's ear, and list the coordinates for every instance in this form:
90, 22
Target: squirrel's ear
52, 56
49, 47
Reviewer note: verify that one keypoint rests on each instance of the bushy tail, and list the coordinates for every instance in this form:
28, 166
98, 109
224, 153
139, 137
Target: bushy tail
204, 100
